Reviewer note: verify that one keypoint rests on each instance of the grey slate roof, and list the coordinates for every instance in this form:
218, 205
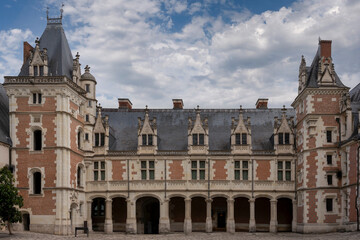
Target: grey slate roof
60, 59
355, 107
312, 73
172, 127
4, 116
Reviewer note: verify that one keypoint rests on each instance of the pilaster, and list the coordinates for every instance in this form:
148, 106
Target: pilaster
187, 220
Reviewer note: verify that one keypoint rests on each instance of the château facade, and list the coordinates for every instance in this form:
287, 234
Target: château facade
177, 170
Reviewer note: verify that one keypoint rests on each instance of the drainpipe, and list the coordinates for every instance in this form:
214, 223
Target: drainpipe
338, 121
357, 187
128, 178
165, 176
208, 178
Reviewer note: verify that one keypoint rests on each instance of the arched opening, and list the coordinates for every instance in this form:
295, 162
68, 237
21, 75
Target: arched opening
119, 214
79, 138
26, 221
177, 214
98, 214
198, 214
37, 140
79, 176
262, 214
73, 218
219, 213
147, 215
284, 214
241, 214
37, 183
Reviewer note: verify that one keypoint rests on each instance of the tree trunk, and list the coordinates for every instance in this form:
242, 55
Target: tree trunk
9, 227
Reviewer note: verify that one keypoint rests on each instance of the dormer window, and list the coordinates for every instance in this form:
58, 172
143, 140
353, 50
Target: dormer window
147, 139
37, 98
36, 71
198, 139
284, 138
241, 139
99, 139
87, 88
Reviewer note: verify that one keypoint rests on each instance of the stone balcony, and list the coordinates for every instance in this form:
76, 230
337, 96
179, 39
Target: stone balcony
240, 149
146, 149
198, 149
285, 149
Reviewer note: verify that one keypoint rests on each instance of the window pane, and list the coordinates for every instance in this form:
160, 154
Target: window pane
39, 98
280, 175
193, 175
329, 159
150, 139
202, 174
237, 174
288, 175
288, 165
102, 175
328, 136
37, 140
34, 98
96, 175
144, 139
201, 139
102, 140
143, 174
245, 164
102, 165
280, 165
244, 138
281, 138
143, 164
237, 164
96, 139
151, 174
202, 164
193, 164
37, 183
195, 142
41, 70
245, 175
96, 165
329, 205
151, 164
329, 179
237, 138
287, 138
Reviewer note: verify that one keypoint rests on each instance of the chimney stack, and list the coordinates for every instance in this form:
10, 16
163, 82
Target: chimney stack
27, 49
325, 48
262, 103
178, 104
125, 103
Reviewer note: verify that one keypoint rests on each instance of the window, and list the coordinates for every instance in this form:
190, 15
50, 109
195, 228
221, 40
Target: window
329, 204
147, 139
89, 104
79, 139
37, 140
99, 139
284, 138
87, 88
86, 136
241, 170
37, 97
241, 139
41, 70
329, 159
147, 170
197, 170
98, 207
36, 71
328, 136
87, 117
37, 183
79, 184
284, 170
99, 171
198, 139
329, 179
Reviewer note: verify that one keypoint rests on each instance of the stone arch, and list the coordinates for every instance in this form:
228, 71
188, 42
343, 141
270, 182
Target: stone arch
262, 213
25, 215
119, 212
176, 195
118, 195
148, 214
98, 209
241, 212
243, 195
36, 177
177, 212
284, 214
219, 195
198, 195
198, 212
285, 196
264, 196
92, 197
154, 195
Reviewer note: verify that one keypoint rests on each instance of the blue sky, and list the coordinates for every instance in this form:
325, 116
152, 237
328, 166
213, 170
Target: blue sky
212, 53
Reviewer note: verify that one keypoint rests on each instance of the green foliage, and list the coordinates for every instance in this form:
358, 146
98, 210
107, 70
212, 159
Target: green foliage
10, 200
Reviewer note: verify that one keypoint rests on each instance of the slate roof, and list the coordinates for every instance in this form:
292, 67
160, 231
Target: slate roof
172, 127
60, 60
4, 117
312, 73
355, 108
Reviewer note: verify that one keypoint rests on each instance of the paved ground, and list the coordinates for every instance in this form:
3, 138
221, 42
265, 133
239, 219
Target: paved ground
193, 236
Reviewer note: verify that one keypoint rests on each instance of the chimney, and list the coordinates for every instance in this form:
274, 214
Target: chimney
27, 49
262, 103
178, 104
125, 103
325, 48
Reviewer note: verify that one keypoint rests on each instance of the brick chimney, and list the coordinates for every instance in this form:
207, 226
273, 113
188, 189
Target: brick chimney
178, 104
325, 48
124, 103
27, 49
262, 103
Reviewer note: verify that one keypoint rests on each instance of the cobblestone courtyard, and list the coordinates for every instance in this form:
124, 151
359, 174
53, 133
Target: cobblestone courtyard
195, 236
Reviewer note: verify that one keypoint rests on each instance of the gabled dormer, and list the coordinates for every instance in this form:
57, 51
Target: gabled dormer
101, 133
284, 134
38, 61
302, 74
198, 134
147, 134
326, 72
76, 72
240, 134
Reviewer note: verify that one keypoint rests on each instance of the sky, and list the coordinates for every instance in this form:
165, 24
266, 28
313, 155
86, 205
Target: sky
211, 53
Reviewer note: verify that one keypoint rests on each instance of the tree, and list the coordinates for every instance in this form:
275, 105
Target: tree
10, 200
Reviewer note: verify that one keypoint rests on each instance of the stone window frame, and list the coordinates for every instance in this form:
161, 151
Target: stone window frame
331, 155
31, 172
31, 132
198, 169
198, 137
99, 170
284, 170
240, 140
330, 179
334, 204
285, 136
80, 136
333, 137
145, 139
240, 169
147, 169
31, 98
99, 139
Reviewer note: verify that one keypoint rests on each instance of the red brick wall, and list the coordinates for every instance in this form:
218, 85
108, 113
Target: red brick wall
176, 170
118, 168
312, 206
23, 106
263, 170
220, 173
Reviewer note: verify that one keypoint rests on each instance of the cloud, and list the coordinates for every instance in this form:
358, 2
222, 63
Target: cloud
210, 61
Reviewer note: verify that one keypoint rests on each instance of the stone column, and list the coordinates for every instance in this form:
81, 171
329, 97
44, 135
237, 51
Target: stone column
187, 220
208, 227
273, 218
131, 217
294, 220
230, 222
88, 215
164, 223
108, 227
252, 223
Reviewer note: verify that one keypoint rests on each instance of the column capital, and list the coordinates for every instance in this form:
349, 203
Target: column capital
89, 201
251, 200
230, 200
187, 199
273, 201
208, 200
108, 200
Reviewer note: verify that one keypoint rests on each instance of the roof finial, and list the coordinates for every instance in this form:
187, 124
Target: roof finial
87, 68
319, 39
61, 10
47, 12
37, 41
77, 55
